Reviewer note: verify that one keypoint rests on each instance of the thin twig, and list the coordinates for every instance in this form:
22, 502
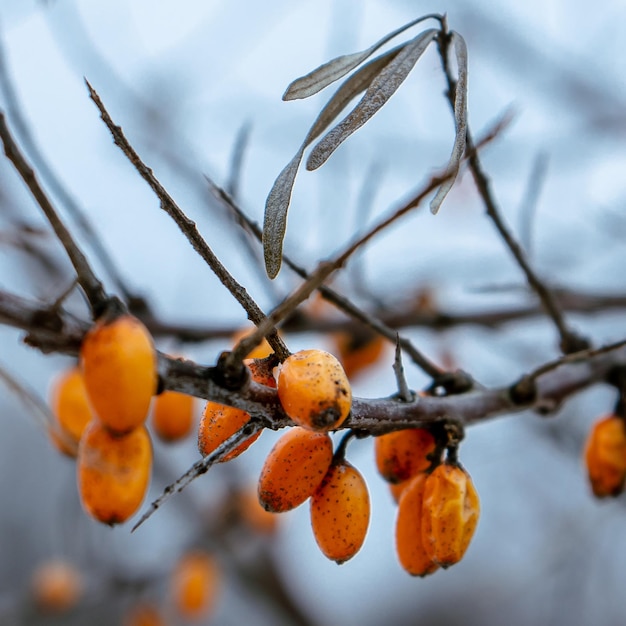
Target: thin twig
404, 392
189, 229
325, 268
329, 294
39, 409
200, 467
528, 208
14, 111
570, 341
92, 287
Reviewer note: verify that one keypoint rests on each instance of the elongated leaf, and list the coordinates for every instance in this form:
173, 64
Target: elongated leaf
460, 122
384, 85
275, 220
352, 87
277, 203
329, 72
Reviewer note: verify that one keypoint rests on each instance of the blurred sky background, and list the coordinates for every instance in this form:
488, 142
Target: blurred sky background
182, 79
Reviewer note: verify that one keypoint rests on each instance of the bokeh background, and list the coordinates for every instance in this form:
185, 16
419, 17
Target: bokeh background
184, 79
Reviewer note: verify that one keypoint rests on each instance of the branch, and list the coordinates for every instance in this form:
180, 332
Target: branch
570, 341
188, 228
88, 281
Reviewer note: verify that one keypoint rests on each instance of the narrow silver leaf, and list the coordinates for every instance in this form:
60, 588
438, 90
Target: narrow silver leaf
329, 72
352, 87
460, 122
277, 203
384, 85
275, 220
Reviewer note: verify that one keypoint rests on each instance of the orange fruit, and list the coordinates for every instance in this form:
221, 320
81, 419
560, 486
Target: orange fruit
217, 424
261, 372
294, 469
254, 515
314, 390
119, 365
340, 512
172, 415
195, 585
56, 586
605, 456
403, 453
113, 472
71, 409
143, 614
450, 512
260, 352
358, 350
409, 542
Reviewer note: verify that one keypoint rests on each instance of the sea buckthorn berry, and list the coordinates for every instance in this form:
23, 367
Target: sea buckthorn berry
261, 372
195, 585
71, 409
294, 469
143, 614
605, 456
358, 350
340, 512
396, 489
450, 512
217, 424
402, 454
254, 515
56, 585
260, 352
172, 415
113, 472
314, 390
409, 543
119, 367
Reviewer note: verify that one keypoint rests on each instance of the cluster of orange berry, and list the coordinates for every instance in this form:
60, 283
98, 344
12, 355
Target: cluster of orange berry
194, 583
100, 408
438, 507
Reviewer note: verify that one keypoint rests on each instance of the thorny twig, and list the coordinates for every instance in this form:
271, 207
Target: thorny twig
189, 230
570, 341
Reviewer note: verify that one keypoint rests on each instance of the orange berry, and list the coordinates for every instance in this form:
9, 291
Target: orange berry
217, 424
314, 390
56, 585
450, 511
119, 365
396, 489
402, 454
409, 543
261, 372
172, 415
113, 472
195, 585
294, 469
340, 512
71, 407
254, 515
605, 456
143, 614
358, 350
260, 352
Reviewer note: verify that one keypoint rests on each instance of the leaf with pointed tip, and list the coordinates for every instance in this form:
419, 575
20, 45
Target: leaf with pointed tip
277, 203
275, 220
460, 122
384, 85
329, 72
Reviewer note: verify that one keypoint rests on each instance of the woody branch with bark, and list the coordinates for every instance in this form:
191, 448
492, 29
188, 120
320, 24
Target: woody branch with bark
453, 397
